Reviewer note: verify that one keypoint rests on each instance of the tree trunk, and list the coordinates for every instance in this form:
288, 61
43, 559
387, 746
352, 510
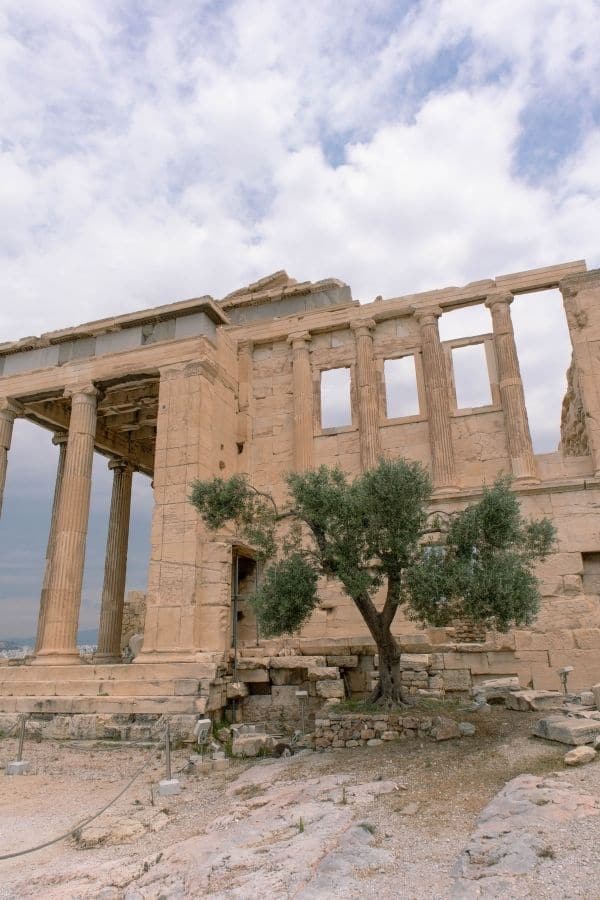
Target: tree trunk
379, 624
389, 668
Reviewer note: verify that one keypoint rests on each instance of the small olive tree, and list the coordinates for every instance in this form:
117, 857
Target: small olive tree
371, 534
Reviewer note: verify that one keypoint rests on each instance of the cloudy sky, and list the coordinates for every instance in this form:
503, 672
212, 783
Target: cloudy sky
152, 151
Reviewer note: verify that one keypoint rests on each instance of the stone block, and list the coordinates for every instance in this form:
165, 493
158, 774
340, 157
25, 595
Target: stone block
579, 756
253, 676
343, 662
587, 638
567, 730
251, 745
330, 689
457, 679
169, 787
445, 729
322, 673
415, 661
17, 767
534, 700
236, 690
497, 688
186, 686
596, 693
296, 662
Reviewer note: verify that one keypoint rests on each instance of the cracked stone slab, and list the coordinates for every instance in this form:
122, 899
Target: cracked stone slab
513, 834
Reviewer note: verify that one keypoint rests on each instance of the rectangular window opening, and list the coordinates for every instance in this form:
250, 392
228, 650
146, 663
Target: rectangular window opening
336, 408
544, 351
466, 322
401, 394
471, 376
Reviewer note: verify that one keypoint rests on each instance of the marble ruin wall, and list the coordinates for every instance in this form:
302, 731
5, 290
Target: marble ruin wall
204, 388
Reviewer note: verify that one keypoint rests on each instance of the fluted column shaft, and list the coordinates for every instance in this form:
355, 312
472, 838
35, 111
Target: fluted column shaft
303, 401
9, 410
438, 406
115, 567
58, 639
520, 449
61, 441
368, 406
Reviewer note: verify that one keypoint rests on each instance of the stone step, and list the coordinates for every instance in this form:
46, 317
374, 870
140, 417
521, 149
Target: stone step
156, 688
111, 705
107, 673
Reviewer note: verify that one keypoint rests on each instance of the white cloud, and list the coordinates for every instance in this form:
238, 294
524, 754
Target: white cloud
157, 151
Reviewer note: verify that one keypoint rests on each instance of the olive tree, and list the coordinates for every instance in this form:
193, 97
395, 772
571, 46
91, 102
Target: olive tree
373, 535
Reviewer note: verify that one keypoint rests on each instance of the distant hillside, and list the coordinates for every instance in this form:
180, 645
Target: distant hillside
85, 636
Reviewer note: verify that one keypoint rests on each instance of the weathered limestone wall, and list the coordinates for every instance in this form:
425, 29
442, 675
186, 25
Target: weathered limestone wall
199, 389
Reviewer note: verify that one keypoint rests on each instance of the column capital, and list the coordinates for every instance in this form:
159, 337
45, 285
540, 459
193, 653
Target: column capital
499, 297
426, 315
117, 463
245, 346
78, 390
363, 327
298, 339
60, 438
10, 409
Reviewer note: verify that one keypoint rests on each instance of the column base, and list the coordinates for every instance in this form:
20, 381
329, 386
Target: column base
50, 658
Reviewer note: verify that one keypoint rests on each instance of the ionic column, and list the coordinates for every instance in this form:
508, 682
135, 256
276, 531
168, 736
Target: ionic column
438, 400
368, 407
303, 401
115, 567
9, 410
520, 449
61, 441
58, 638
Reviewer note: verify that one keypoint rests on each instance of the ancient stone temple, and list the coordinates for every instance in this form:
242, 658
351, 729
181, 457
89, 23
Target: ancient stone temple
201, 387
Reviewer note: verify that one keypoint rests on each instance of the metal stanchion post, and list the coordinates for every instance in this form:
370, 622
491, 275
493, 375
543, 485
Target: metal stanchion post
19, 766
169, 785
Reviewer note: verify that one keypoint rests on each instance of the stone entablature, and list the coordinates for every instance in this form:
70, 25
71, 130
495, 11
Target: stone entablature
203, 388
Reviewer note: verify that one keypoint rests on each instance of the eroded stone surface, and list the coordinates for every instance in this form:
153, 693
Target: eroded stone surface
513, 834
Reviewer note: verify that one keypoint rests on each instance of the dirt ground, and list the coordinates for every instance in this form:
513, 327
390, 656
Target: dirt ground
402, 842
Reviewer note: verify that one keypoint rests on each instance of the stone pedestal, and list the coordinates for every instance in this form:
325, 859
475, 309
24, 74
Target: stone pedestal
512, 395
115, 570
368, 406
58, 637
303, 401
438, 401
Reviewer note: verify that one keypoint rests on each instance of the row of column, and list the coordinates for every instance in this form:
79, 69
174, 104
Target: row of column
56, 640
443, 463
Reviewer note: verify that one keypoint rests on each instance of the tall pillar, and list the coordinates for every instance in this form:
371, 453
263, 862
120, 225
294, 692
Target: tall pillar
244, 388
303, 401
115, 567
59, 439
9, 410
368, 406
58, 638
520, 449
581, 301
438, 400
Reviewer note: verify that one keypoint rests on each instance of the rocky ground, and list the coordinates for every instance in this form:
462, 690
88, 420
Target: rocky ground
411, 820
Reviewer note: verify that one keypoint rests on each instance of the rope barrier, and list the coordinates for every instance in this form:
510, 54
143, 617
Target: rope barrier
77, 827
73, 831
